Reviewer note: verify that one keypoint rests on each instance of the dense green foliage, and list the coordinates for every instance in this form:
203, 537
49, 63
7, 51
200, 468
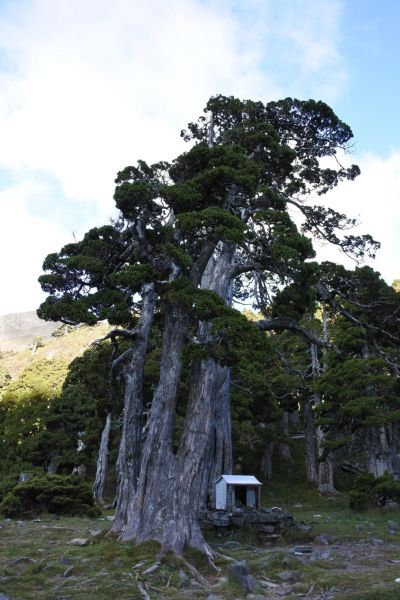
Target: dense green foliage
56, 494
371, 492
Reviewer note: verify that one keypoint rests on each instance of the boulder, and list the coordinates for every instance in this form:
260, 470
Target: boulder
239, 574
322, 539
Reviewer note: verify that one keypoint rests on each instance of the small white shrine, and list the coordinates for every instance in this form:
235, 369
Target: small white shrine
237, 491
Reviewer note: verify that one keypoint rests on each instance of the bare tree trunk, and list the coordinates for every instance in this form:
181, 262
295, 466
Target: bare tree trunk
294, 418
102, 462
381, 451
169, 492
128, 462
284, 448
309, 439
325, 465
219, 455
381, 443
266, 463
148, 506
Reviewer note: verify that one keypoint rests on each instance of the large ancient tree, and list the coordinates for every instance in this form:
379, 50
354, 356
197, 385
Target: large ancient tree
192, 236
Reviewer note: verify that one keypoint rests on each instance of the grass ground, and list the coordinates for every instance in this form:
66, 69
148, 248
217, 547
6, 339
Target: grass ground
361, 562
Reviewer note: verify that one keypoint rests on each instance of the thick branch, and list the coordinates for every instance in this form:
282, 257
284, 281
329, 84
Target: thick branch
283, 324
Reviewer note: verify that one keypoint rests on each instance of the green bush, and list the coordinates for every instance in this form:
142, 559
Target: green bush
57, 494
369, 491
7, 483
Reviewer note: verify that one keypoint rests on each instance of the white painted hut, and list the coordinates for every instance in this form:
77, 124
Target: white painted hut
237, 491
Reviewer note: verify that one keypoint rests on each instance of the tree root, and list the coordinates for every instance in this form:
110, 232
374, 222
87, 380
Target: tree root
224, 557
142, 589
193, 571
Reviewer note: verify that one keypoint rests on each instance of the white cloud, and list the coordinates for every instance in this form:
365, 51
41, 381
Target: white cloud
25, 240
89, 86
374, 199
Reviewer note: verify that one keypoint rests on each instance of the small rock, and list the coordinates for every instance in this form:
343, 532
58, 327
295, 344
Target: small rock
68, 572
377, 542
298, 505
359, 527
64, 560
4, 597
393, 528
239, 573
110, 517
183, 579
303, 549
118, 563
323, 554
397, 580
303, 526
290, 576
322, 539
20, 524
78, 542
95, 532
214, 597
392, 504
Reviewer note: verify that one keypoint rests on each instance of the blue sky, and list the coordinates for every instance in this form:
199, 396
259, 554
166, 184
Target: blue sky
89, 87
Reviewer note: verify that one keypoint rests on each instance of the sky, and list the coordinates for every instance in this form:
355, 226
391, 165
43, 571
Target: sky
90, 86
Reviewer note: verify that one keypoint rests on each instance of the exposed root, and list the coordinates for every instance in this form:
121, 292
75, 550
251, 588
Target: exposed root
142, 589
224, 557
152, 569
193, 571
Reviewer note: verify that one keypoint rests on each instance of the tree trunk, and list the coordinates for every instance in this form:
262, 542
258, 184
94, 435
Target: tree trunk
325, 466
219, 459
284, 448
169, 493
381, 451
147, 513
129, 455
266, 463
309, 450
102, 462
294, 419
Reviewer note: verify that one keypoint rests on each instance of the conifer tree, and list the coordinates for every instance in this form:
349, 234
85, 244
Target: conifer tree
191, 235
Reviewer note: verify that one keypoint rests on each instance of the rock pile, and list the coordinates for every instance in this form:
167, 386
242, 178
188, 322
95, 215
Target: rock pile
271, 522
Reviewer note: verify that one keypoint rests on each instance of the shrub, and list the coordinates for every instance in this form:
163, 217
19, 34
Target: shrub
369, 491
7, 483
58, 494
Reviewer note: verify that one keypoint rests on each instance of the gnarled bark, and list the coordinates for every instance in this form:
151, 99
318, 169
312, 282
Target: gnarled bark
169, 492
102, 462
129, 455
309, 440
266, 463
284, 448
381, 446
148, 505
